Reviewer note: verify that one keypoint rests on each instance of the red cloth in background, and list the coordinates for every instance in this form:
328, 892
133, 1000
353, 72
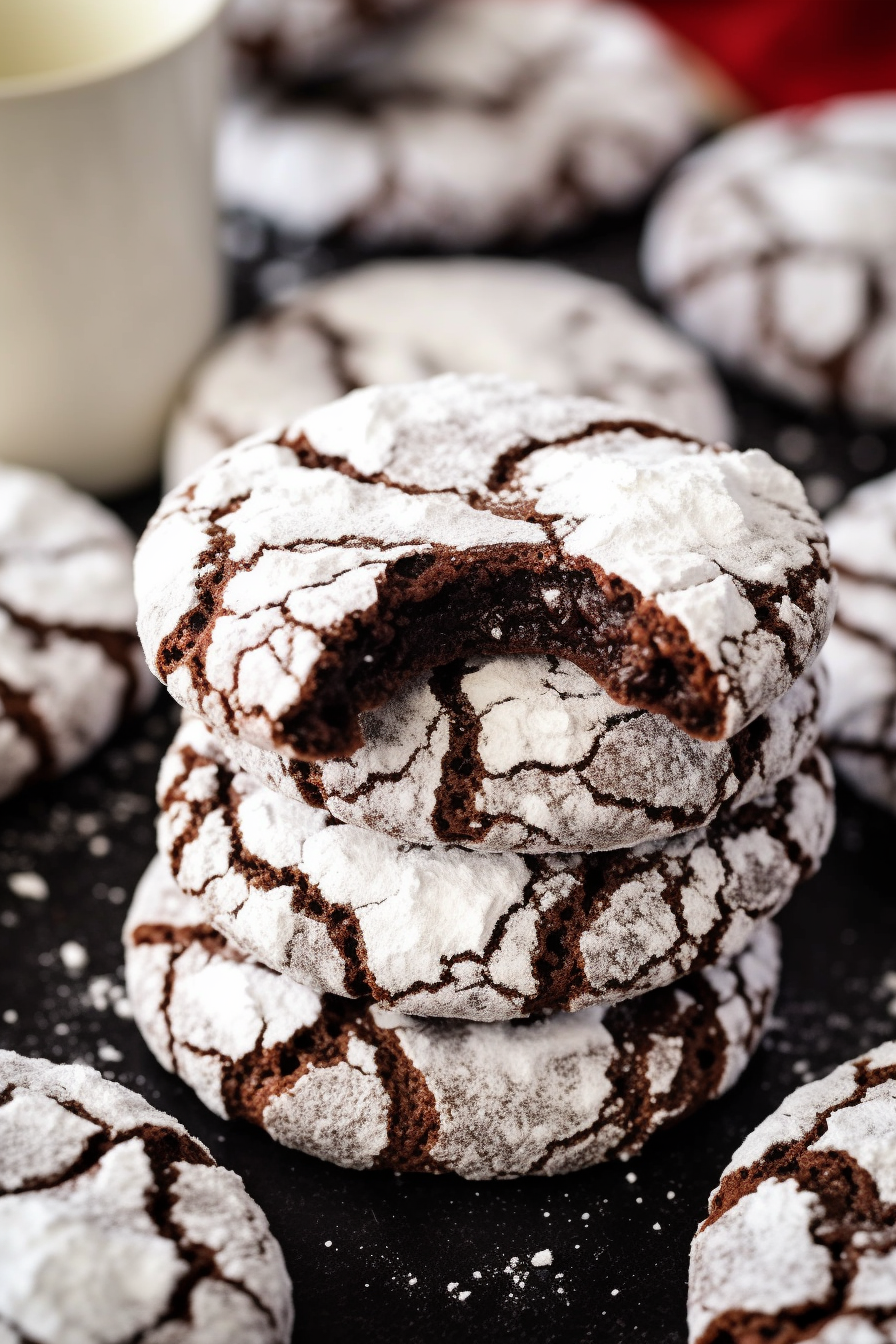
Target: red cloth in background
782, 52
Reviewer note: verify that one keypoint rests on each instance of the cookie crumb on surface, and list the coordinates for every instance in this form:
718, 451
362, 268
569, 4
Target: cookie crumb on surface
73, 955
30, 886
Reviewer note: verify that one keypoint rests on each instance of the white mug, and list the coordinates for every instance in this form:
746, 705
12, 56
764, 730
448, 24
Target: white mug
110, 282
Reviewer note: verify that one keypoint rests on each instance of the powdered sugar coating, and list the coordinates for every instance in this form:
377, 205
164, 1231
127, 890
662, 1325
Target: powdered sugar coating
291, 581
296, 39
799, 1241
860, 722
367, 1086
775, 245
70, 664
444, 932
115, 1224
530, 755
394, 321
490, 117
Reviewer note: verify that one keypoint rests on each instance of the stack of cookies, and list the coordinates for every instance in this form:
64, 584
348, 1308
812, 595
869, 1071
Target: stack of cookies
499, 755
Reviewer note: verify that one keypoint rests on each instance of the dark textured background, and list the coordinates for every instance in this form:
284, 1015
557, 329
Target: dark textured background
379, 1257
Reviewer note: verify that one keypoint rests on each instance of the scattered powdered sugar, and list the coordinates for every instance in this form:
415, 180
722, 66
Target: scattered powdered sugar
64, 994
30, 886
73, 956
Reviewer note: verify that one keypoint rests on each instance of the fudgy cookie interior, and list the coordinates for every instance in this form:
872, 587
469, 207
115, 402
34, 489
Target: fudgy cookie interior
436, 608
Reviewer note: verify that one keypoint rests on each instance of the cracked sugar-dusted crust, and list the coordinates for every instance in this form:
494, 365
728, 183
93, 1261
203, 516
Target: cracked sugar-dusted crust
70, 662
394, 321
446, 932
295, 39
110, 1211
530, 755
774, 246
365, 1086
294, 583
800, 1241
489, 118
860, 719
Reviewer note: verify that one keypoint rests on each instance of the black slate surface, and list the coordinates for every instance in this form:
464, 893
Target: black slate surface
385, 1258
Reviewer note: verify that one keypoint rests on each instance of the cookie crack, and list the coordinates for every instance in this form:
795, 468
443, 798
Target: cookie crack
119, 646
633, 1027
18, 706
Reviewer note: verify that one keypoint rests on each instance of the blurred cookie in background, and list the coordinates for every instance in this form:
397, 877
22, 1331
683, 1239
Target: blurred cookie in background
488, 119
398, 321
860, 655
776, 247
70, 664
304, 39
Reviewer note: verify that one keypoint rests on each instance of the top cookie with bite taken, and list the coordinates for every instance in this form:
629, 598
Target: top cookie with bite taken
298, 579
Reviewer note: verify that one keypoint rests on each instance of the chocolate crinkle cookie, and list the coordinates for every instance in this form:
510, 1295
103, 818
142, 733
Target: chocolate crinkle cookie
487, 118
530, 755
70, 662
301, 578
394, 321
115, 1225
800, 1241
443, 932
295, 40
364, 1086
860, 720
774, 246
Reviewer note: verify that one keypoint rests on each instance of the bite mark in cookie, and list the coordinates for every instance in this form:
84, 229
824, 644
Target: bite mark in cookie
293, 584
